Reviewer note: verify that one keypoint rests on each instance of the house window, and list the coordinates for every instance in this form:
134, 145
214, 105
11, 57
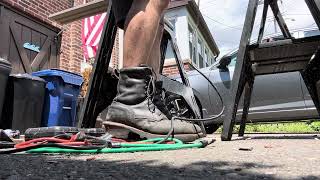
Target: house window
192, 48
173, 23
200, 54
212, 60
169, 53
206, 57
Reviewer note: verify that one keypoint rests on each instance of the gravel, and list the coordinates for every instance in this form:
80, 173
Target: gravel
290, 156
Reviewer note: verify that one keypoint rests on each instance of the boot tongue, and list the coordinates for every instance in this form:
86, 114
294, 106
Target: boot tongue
159, 85
158, 90
159, 101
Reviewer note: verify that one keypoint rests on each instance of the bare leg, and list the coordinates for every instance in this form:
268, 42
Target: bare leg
141, 28
155, 56
135, 109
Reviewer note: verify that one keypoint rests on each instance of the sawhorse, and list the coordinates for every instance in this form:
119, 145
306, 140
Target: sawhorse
270, 58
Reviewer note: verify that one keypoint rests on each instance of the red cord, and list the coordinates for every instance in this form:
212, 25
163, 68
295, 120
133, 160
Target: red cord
34, 142
71, 142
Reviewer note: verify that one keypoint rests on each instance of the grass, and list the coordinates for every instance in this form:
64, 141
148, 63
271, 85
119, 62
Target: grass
296, 127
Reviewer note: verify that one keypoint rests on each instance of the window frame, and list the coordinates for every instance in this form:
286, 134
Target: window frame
192, 46
200, 49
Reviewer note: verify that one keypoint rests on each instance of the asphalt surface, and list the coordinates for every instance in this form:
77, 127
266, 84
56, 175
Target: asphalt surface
261, 157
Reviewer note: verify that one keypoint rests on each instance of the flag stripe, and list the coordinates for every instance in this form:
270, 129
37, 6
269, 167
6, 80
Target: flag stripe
91, 33
95, 30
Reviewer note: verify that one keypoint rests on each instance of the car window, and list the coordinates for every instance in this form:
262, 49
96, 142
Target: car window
233, 60
311, 33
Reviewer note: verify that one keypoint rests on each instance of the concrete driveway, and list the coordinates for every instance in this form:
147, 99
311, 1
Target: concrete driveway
263, 157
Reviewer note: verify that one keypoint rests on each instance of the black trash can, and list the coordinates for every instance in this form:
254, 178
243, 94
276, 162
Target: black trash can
5, 69
23, 103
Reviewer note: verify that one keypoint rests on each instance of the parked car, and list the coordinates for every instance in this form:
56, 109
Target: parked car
276, 97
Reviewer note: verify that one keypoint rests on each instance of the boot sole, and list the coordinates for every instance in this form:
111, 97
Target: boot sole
122, 131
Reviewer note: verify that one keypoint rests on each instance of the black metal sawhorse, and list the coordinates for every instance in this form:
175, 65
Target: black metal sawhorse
270, 58
95, 100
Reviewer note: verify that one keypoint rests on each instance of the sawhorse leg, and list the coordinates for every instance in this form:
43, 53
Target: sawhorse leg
238, 80
89, 110
231, 111
246, 104
314, 7
311, 77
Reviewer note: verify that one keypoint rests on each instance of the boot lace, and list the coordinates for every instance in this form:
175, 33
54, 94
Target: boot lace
151, 90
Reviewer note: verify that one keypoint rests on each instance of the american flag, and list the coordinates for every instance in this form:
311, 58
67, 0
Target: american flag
91, 32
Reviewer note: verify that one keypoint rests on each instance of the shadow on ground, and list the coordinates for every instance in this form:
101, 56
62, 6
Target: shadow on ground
66, 167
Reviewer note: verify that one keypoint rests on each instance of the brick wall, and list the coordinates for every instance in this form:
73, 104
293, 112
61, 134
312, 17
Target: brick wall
41, 9
75, 54
172, 69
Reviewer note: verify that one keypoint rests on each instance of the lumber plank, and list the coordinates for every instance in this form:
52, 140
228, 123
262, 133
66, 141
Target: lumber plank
80, 12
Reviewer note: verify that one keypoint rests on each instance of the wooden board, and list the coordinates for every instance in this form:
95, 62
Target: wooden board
80, 12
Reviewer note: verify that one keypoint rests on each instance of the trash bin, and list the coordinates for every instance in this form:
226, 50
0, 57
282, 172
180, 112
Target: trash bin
23, 102
63, 89
5, 69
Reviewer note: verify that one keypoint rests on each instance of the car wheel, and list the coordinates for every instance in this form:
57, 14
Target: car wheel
212, 128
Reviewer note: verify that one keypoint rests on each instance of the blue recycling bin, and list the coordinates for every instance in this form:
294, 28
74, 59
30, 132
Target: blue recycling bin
62, 91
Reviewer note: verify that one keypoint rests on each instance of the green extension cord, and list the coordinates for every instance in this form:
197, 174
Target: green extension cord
125, 147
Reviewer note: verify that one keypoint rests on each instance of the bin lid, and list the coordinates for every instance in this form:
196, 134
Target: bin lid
5, 63
28, 77
68, 77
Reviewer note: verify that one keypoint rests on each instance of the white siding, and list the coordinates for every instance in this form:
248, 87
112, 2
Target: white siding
182, 21
181, 29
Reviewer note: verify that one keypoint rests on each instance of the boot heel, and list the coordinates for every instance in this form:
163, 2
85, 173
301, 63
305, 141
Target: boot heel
117, 132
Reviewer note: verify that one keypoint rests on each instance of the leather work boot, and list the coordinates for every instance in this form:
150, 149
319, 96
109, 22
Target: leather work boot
159, 101
133, 112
